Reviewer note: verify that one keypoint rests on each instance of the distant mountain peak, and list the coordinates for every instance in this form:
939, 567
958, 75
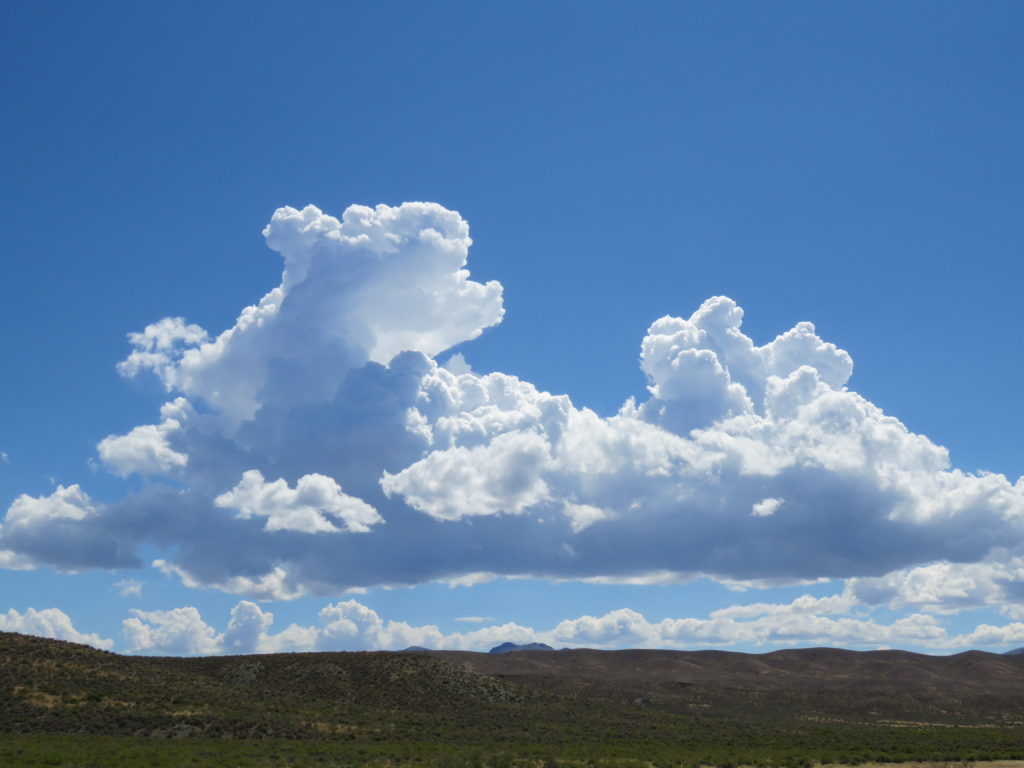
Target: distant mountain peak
511, 647
1014, 652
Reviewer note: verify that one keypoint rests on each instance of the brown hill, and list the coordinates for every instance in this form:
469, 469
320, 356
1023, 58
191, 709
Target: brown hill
973, 687
55, 686
864, 705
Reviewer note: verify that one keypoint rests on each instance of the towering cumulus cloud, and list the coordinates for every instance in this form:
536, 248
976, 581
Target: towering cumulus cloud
367, 287
319, 436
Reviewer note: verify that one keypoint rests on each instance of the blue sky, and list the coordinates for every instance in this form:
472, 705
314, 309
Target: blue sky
856, 166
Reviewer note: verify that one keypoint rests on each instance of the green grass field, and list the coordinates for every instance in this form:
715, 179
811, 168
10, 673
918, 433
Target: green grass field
726, 747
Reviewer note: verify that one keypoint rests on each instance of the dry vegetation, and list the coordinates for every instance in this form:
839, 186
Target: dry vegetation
69, 705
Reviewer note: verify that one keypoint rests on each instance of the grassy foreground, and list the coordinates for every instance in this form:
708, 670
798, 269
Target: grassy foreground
948, 748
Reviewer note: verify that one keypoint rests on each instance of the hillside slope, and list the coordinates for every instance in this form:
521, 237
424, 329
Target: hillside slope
55, 686
967, 688
653, 698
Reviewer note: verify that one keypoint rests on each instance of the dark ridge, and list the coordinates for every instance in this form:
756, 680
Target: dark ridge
971, 687
52, 686
61, 687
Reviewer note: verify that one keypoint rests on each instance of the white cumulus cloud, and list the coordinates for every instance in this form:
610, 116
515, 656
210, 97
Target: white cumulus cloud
947, 588
502, 476
313, 506
52, 623
146, 450
177, 632
766, 507
349, 626
748, 463
71, 503
363, 288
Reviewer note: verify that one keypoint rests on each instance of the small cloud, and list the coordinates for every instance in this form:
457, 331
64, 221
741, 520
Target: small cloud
146, 450
457, 364
583, 515
766, 507
129, 588
476, 619
469, 579
5, 458
275, 585
12, 561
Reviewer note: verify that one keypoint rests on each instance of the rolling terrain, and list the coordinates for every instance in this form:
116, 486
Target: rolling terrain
788, 707
872, 686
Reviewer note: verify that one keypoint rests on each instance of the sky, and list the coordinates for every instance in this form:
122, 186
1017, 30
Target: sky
357, 326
